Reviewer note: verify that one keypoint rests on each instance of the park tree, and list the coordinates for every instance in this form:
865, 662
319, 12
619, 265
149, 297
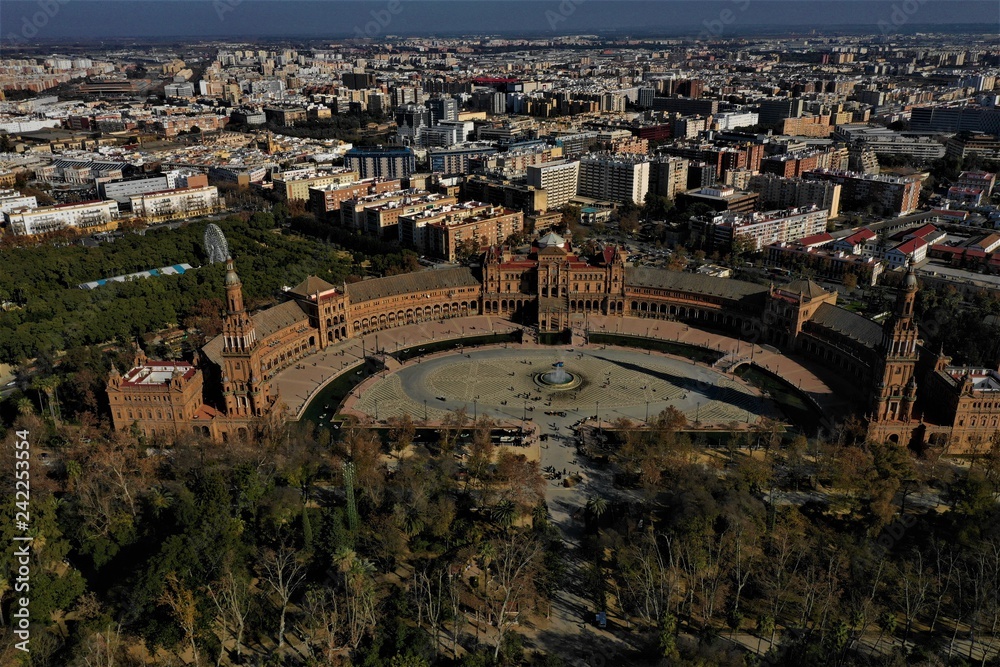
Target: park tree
401, 433
508, 587
283, 571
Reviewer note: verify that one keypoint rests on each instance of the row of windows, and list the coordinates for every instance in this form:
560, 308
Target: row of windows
149, 414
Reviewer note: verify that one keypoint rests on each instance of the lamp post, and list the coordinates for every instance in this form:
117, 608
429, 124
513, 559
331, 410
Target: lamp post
425, 409
475, 410
647, 411
376, 409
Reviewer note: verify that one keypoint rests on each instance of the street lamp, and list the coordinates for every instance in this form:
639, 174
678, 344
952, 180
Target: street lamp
475, 410
425, 409
647, 411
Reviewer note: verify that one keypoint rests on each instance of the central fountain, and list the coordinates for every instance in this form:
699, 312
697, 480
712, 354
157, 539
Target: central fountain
558, 378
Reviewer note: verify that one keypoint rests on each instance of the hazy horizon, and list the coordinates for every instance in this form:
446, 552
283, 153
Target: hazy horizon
89, 20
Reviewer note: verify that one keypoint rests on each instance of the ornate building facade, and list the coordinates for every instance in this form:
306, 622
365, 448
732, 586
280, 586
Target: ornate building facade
553, 287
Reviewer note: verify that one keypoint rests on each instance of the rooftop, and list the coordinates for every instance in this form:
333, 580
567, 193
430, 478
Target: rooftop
157, 373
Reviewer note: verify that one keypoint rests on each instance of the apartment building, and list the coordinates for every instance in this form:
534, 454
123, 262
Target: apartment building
295, 185
441, 231
777, 192
502, 192
559, 179
325, 201
381, 161
13, 199
758, 230
175, 204
382, 221
892, 195
983, 181
668, 175
720, 198
458, 159
618, 177
82, 215
886, 141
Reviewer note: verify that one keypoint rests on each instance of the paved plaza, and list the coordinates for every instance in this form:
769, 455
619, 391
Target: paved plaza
615, 382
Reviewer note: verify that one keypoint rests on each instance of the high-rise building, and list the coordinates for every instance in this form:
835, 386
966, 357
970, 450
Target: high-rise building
457, 159
955, 118
442, 108
668, 175
774, 111
622, 177
890, 195
777, 192
381, 161
559, 179
358, 80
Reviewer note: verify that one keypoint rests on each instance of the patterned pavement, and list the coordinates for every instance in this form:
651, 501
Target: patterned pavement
616, 382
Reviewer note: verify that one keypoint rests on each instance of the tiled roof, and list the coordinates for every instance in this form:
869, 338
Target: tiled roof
815, 239
805, 287
848, 324
266, 322
310, 286
645, 276
376, 288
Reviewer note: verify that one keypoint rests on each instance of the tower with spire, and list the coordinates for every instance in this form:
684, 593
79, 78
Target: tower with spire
247, 394
895, 391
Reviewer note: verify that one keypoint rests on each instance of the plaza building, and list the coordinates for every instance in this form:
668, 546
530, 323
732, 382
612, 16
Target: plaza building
906, 394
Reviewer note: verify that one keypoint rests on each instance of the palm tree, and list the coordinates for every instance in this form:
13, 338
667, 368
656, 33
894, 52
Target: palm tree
503, 513
25, 406
412, 522
344, 558
597, 506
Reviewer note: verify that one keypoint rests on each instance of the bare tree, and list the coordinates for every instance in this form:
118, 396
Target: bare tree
182, 604
322, 619
103, 648
510, 584
231, 596
284, 572
429, 591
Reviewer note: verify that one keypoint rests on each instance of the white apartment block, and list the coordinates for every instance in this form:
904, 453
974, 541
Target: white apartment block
27, 222
736, 119
758, 230
174, 204
559, 179
12, 199
622, 177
